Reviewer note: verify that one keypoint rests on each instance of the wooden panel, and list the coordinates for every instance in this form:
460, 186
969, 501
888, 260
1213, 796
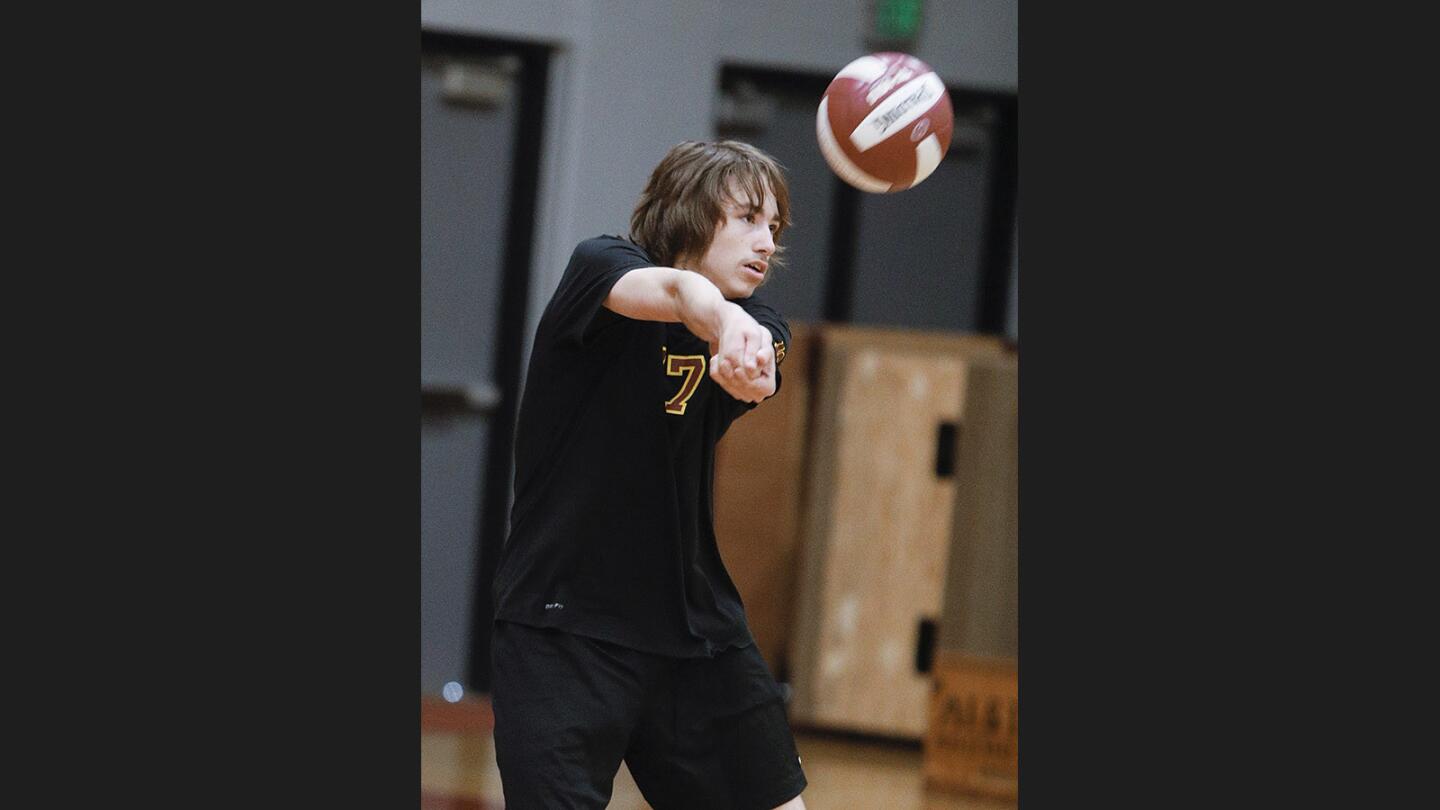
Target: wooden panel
972, 744
758, 480
877, 526
981, 615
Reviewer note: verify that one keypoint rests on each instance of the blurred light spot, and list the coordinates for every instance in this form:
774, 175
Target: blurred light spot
919, 386
847, 614
453, 692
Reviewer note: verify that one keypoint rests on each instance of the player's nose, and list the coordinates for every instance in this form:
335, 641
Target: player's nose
765, 243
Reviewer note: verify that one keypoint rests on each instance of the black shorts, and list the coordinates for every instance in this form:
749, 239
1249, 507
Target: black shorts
696, 733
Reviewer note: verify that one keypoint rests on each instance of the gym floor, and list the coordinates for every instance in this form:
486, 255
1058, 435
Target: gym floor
458, 772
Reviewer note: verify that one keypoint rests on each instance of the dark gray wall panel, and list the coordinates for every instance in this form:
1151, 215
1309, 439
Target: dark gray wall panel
917, 258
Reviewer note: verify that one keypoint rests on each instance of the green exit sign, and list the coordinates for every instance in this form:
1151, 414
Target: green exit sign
895, 22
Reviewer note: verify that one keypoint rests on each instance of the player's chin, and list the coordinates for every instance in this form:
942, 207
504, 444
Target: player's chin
745, 289
748, 282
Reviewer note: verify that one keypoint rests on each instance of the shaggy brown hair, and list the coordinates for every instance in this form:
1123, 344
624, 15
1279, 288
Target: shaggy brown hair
683, 204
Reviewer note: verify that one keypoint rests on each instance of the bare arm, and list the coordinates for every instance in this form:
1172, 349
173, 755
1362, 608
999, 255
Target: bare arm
743, 356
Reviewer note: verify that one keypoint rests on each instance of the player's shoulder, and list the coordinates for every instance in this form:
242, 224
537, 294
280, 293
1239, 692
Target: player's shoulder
608, 249
766, 315
756, 306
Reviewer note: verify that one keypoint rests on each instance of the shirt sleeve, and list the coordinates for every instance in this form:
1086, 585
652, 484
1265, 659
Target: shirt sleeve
594, 268
766, 316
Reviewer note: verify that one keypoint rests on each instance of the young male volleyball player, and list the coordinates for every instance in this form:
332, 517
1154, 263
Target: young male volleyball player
618, 633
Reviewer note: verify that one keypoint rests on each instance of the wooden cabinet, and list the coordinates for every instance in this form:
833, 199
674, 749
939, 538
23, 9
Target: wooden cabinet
972, 742
981, 614
879, 513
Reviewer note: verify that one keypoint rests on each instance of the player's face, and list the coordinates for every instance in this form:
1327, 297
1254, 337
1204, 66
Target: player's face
738, 259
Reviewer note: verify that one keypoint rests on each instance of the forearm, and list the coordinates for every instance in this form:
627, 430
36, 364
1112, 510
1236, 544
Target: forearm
671, 295
700, 306
743, 358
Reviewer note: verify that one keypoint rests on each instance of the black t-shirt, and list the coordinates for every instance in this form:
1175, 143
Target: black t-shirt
612, 530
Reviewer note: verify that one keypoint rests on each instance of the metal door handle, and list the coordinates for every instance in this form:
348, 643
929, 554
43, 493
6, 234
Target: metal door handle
467, 397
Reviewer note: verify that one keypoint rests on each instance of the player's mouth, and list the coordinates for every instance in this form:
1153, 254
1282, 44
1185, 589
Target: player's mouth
758, 268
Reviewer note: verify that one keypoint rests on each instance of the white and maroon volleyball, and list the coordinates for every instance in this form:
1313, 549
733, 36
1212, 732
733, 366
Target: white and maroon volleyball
884, 122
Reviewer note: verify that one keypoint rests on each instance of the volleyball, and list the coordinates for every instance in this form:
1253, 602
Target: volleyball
884, 123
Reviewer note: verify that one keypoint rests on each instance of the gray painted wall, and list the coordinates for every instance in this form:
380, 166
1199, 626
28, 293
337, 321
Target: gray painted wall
970, 43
